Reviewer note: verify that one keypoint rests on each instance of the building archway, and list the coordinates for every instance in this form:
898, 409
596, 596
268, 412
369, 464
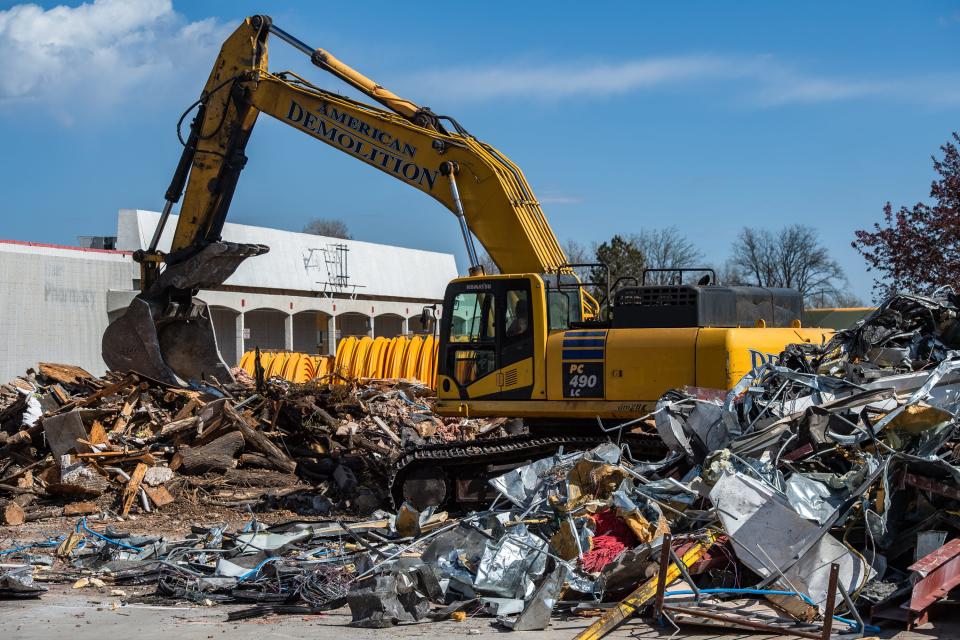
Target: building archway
224, 322
265, 328
311, 332
352, 323
387, 325
416, 327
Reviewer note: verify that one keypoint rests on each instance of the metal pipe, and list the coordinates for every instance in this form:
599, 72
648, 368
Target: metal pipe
164, 216
291, 40
464, 229
831, 601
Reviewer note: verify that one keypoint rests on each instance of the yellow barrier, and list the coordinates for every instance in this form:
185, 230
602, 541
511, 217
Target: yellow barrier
364, 357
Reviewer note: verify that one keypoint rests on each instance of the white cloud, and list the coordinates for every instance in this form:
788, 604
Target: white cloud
758, 81
556, 197
79, 60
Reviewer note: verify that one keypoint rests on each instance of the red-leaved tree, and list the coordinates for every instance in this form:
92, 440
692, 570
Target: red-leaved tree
918, 249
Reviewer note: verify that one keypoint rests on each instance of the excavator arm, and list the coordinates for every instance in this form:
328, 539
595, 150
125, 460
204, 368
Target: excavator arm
166, 332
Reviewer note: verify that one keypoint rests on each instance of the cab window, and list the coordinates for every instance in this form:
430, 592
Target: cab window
517, 313
473, 317
563, 308
472, 336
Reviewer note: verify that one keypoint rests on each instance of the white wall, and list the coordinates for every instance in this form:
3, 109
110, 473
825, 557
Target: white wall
378, 270
53, 304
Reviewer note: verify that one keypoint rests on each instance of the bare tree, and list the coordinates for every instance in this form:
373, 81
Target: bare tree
329, 227
666, 249
792, 257
486, 262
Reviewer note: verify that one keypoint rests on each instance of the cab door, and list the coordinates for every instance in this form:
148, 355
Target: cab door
516, 339
488, 340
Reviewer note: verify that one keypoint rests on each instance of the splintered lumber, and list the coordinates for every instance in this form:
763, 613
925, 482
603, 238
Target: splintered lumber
60, 394
98, 435
159, 496
133, 488
218, 455
126, 412
65, 373
278, 459
80, 509
108, 390
177, 426
387, 430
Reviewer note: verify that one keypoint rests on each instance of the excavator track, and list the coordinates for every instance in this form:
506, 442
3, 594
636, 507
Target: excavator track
456, 474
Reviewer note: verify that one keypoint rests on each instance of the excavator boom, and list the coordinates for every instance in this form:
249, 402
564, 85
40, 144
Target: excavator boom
166, 333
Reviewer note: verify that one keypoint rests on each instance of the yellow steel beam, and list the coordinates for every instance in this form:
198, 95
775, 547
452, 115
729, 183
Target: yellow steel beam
613, 618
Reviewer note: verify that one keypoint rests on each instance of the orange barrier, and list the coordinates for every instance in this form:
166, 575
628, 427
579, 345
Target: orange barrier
410, 357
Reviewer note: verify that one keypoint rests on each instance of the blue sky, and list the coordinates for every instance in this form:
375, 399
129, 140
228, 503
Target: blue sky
704, 115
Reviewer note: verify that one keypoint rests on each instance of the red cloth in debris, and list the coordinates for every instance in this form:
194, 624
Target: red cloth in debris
610, 538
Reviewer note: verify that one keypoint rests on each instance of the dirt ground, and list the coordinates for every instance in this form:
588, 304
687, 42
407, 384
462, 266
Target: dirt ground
95, 614
88, 614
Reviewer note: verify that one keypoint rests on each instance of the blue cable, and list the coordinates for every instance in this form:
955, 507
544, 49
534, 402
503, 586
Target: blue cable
52, 542
82, 524
257, 568
776, 592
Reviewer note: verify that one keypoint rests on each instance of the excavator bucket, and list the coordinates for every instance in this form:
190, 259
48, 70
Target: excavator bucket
167, 334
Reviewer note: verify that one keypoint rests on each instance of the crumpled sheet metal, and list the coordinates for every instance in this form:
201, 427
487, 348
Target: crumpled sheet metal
524, 486
510, 565
530, 484
775, 542
694, 427
16, 582
809, 498
536, 614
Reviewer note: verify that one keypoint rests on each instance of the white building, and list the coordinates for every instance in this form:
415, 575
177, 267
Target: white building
55, 302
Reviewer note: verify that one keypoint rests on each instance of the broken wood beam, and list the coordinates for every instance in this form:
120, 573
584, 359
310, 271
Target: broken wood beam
280, 460
133, 488
218, 455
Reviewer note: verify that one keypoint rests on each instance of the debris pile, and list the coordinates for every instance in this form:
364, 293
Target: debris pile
845, 453
821, 494
72, 444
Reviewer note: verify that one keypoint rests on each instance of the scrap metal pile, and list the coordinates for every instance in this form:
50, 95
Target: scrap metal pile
72, 444
842, 453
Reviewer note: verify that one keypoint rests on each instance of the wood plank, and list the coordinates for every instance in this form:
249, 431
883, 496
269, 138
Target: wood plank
98, 435
159, 496
133, 488
105, 391
80, 509
66, 373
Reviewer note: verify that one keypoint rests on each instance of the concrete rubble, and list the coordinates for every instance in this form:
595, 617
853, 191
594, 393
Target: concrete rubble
820, 496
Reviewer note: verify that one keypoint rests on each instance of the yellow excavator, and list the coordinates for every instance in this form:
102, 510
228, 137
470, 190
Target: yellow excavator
530, 342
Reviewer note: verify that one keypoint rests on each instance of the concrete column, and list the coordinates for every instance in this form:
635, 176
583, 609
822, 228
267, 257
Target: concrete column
332, 335
370, 328
405, 327
288, 332
240, 342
